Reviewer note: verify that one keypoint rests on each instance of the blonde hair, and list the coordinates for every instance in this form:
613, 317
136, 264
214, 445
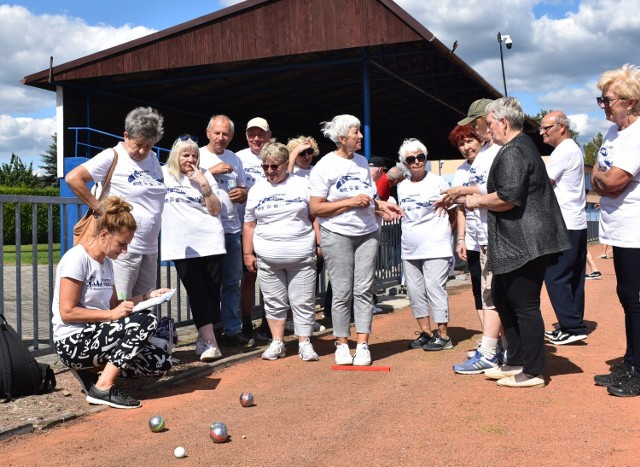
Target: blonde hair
624, 82
117, 216
294, 142
180, 146
277, 152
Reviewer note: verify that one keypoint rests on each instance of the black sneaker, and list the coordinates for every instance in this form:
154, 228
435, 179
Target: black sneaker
239, 340
562, 338
552, 334
86, 378
438, 343
618, 373
628, 387
247, 329
421, 340
114, 397
593, 275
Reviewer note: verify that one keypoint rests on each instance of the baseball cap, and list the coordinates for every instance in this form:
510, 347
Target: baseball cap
476, 109
258, 122
376, 161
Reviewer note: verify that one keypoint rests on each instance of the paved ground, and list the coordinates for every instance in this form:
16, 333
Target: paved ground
418, 413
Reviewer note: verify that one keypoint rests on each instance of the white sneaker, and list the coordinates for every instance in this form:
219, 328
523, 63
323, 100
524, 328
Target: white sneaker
343, 355
317, 327
201, 346
274, 351
306, 352
210, 354
362, 356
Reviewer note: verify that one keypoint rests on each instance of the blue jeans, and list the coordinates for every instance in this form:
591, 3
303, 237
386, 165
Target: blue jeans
230, 285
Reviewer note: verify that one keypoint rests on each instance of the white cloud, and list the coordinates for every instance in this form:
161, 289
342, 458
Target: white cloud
27, 41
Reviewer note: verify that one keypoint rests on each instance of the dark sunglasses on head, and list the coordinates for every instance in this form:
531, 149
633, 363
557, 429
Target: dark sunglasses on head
271, 166
412, 159
187, 137
306, 152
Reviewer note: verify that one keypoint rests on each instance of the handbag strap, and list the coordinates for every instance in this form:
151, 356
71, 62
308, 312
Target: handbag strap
107, 180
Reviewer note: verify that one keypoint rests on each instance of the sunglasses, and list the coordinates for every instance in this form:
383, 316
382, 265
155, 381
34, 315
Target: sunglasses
607, 101
411, 159
306, 152
265, 167
187, 137
544, 129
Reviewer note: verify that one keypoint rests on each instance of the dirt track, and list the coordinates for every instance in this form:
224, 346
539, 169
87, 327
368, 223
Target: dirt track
419, 413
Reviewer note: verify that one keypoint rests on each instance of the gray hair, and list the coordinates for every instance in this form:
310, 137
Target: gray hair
180, 146
411, 145
395, 173
224, 118
339, 126
144, 123
277, 152
510, 109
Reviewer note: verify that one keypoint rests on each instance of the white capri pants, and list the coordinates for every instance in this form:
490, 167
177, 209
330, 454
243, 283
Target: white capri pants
289, 282
426, 285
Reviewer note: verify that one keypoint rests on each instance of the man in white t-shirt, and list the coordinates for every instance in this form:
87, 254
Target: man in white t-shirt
258, 134
226, 168
565, 279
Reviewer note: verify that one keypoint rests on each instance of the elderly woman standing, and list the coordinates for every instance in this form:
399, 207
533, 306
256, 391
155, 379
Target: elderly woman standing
465, 139
302, 150
343, 200
197, 252
617, 181
425, 264
138, 179
279, 242
525, 229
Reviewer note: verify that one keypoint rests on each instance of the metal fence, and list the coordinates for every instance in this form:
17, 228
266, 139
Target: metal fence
27, 289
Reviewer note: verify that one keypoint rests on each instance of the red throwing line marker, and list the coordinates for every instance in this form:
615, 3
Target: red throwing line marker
384, 369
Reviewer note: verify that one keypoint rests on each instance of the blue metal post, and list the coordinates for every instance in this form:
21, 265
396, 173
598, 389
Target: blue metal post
366, 100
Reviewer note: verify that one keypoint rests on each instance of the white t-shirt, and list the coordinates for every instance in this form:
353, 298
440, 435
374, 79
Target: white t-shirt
461, 178
619, 216
140, 184
281, 211
95, 293
566, 167
478, 176
253, 173
425, 234
304, 173
188, 230
229, 210
335, 178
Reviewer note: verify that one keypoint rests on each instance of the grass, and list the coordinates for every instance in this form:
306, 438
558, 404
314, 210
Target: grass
42, 254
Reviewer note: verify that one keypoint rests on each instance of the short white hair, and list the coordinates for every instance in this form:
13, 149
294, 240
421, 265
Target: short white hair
339, 126
411, 145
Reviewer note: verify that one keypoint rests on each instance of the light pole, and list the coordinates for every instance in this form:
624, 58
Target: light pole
509, 43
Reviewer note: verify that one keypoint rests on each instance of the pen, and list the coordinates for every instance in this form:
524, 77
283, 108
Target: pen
122, 296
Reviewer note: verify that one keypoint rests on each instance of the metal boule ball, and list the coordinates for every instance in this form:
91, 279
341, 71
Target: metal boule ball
218, 432
246, 399
156, 423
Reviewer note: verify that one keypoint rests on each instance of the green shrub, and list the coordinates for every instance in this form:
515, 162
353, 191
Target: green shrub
9, 216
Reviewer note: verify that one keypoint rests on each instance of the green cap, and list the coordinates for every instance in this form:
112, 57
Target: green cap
476, 109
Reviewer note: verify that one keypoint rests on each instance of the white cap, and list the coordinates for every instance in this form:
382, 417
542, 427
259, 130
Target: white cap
258, 122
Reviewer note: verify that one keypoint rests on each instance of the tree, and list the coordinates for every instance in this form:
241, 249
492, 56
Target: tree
540, 115
16, 174
50, 163
591, 149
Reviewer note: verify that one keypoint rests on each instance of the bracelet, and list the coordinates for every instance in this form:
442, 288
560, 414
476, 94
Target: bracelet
460, 240
208, 193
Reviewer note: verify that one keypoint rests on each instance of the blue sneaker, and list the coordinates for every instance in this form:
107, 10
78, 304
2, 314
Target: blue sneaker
476, 365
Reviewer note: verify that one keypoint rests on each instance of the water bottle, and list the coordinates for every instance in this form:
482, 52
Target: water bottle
232, 181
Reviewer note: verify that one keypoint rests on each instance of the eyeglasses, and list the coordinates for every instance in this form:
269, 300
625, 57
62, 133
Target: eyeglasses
265, 167
306, 152
187, 137
544, 129
607, 101
411, 159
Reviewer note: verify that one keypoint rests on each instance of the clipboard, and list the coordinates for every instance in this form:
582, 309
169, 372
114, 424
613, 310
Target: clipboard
150, 303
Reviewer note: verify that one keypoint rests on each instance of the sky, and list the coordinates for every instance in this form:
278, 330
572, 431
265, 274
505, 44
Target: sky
560, 47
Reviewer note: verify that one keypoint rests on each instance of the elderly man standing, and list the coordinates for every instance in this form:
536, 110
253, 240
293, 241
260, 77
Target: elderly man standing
258, 134
565, 279
226, 168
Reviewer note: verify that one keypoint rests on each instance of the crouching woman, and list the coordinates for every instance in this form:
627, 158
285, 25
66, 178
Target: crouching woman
93, 329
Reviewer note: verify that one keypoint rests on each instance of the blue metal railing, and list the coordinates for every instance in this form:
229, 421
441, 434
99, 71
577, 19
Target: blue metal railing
89, 149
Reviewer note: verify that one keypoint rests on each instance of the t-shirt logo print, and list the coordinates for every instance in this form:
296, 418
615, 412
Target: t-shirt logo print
143, 178
356, 184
